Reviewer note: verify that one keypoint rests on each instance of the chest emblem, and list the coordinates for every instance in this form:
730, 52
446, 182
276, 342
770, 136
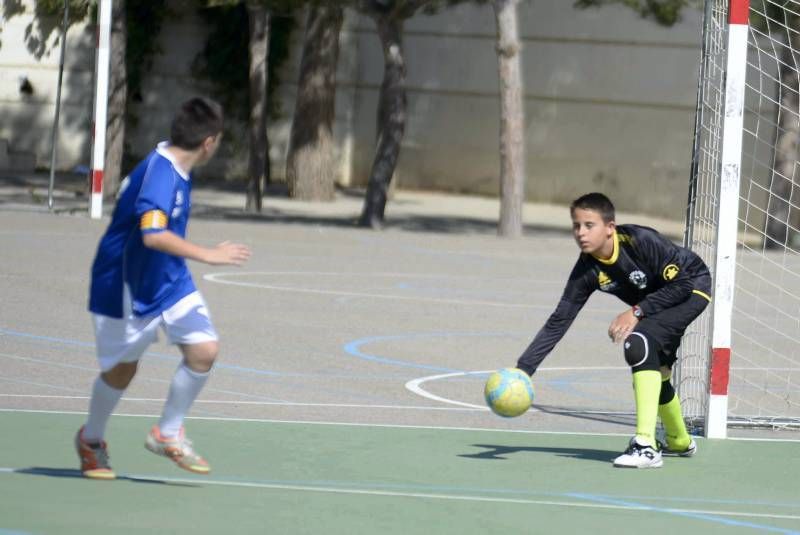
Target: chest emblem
639, 279
176, 211
605, 282
670, 272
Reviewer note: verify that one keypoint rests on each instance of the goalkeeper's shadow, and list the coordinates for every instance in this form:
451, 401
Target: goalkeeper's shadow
498, 452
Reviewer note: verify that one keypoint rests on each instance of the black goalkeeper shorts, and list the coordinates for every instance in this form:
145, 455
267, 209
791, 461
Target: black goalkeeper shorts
666, 328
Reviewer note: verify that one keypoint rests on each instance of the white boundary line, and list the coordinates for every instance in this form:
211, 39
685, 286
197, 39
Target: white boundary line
438, 496
414, 385
344, 424
382, 426
219, 278
266, 403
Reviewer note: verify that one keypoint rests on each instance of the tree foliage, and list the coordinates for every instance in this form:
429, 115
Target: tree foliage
43, 33
145, 19
224, 58
664, 12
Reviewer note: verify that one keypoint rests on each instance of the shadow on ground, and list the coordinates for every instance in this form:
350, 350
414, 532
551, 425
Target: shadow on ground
500, 453
72, 473
29, 192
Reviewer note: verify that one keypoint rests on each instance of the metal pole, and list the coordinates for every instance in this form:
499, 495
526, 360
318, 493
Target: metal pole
58, 106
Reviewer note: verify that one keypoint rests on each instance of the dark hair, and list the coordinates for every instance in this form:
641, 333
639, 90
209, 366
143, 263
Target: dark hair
597, 202
197, 119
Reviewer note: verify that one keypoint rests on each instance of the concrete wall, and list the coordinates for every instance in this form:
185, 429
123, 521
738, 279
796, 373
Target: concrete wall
609, 101
30, 50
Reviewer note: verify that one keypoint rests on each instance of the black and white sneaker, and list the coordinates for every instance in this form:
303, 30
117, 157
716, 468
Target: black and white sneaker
639, 456
690, 450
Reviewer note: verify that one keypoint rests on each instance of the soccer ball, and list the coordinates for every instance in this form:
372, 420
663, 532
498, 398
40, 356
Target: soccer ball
509, 392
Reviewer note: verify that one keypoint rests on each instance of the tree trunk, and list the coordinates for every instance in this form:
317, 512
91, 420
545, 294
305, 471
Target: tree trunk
117, 102
310, 169
779, 212
258, 165
512, 120
391, 121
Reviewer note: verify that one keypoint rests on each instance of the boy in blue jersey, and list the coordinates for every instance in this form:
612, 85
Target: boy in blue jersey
140, 283
666, 288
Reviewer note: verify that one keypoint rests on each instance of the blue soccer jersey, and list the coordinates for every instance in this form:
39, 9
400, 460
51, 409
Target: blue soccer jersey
155, 197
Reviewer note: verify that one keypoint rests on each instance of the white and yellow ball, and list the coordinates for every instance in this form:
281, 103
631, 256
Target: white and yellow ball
509, 392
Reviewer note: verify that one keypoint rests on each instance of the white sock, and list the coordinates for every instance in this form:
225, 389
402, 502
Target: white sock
186, 385
104, 400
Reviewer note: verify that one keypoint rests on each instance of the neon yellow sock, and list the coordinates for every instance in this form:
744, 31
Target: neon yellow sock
672, 418
646, 389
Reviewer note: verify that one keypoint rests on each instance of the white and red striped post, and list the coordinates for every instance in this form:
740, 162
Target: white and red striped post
100, 117
727, 219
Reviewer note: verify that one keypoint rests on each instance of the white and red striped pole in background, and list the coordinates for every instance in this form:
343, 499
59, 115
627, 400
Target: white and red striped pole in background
100, 116
728, 219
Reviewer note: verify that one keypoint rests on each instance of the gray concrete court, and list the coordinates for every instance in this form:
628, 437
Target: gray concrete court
385, 335
324, 323
327, 322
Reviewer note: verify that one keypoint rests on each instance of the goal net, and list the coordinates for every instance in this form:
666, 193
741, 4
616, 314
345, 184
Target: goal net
762, 374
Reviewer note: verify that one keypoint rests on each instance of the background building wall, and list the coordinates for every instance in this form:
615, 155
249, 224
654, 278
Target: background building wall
609, 101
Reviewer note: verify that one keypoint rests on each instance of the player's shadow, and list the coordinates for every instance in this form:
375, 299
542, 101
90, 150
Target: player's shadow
498, 453
71, 473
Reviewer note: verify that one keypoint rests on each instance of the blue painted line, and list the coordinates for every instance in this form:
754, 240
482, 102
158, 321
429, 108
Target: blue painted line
94, 370
706, 500
613, 500
219, 365
687, 514
46, 338
354, 348
162, 356
33, 383
246, 371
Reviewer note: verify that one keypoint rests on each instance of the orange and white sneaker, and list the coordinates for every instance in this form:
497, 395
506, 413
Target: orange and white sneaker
179, 449
94, 458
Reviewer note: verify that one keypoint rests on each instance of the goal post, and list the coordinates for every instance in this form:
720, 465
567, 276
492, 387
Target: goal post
740, 361
100, 113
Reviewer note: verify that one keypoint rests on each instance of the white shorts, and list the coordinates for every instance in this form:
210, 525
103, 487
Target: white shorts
126, 340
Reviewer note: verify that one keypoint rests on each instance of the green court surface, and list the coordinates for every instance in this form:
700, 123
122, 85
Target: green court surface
302, 477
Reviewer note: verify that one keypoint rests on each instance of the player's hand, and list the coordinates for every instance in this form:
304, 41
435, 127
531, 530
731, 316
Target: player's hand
622, 326
228, 253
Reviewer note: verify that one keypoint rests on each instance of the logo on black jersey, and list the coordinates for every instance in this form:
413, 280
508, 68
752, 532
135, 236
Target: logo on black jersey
670, 272
605, 282
639, 279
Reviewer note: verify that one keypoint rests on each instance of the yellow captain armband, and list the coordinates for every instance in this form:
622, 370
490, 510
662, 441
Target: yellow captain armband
153, 220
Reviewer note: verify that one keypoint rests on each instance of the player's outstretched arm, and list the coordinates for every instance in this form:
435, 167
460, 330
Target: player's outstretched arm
225, 253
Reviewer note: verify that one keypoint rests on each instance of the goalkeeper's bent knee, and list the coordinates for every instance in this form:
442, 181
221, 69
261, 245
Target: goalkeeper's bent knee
640, 353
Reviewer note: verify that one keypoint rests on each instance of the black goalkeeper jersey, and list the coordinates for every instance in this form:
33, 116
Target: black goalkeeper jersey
646, 269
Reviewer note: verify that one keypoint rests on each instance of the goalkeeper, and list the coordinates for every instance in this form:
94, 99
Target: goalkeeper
666, 286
